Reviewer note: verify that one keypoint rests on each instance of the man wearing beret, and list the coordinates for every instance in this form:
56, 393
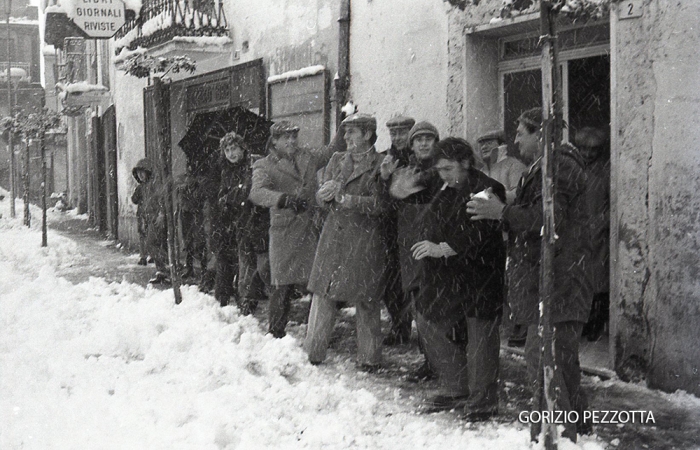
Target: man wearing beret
571, 299
285, 182
397, 304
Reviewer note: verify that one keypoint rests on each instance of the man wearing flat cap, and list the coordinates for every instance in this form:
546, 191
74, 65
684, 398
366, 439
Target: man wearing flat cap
351, 255
500, 166
285, 182
398, 305
571, 299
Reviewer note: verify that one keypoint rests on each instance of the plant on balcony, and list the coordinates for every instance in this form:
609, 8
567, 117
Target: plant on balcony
142, 66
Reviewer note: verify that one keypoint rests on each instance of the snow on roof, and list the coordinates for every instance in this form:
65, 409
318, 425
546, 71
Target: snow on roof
125, 53
24, 21
48, 50
58, 9
202, 41
305, 72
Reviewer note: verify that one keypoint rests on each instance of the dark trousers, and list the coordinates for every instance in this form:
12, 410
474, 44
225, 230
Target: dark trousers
280, 304
242, 272
193, 234
398, 304
157, 244
567, 372
473, 372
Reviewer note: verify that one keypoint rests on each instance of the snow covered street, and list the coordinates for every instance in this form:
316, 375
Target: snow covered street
106, 365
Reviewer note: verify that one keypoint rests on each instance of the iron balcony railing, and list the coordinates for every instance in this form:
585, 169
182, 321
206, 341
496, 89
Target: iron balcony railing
162, 20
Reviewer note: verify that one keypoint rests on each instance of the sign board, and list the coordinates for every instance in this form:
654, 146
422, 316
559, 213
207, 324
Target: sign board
629, 9
99, 19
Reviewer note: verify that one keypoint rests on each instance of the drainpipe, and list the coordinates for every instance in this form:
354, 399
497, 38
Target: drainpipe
342, 82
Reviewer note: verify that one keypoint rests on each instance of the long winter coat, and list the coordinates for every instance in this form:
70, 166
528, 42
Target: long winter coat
238, 217
351, 256
470, 283
572, 286
598, 198
293, 236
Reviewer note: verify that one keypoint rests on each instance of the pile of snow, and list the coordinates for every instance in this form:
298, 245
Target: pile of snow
120, 366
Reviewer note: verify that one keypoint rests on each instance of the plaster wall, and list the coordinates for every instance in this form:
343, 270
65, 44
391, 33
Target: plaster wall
657, 171
398, 61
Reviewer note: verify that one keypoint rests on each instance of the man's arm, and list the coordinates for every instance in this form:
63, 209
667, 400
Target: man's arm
262, 191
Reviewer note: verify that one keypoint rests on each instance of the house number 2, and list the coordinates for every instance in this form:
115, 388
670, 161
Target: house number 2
630, 9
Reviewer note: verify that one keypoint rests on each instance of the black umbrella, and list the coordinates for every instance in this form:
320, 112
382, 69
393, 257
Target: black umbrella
207, 128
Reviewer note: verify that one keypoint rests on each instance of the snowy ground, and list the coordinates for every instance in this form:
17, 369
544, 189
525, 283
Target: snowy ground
119, 366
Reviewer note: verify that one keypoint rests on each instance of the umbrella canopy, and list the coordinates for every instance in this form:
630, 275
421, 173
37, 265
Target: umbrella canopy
207, 128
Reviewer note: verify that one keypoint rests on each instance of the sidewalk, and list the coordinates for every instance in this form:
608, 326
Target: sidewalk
677, 416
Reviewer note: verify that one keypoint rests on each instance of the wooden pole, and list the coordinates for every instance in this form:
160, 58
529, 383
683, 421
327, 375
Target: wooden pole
551, 132
165, 157
44, 231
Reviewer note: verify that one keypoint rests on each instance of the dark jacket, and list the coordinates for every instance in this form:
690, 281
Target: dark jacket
572, 286
238, 217
598, 199
470, 283
153, 195
351, 255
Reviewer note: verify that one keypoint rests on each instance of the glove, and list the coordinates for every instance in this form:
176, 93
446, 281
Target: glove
296, 204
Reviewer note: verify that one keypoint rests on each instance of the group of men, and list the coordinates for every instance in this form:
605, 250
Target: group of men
426, 229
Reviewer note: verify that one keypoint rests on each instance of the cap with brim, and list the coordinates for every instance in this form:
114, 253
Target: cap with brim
400, 122
283, 127
493, 135
423, 128
360, 120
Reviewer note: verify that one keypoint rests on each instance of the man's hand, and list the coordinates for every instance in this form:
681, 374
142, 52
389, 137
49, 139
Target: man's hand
426, 249
486, 208
296, 204
406, 181
329, 190
388, 166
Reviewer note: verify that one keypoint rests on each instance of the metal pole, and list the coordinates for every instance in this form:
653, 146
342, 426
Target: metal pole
10, 143
44, 231
27, 213
551, 104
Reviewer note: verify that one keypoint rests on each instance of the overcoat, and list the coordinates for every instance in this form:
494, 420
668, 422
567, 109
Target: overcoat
470, 283
572, 287
352, 253
293, 235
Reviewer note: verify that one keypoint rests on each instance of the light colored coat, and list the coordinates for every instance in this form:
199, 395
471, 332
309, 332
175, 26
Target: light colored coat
351, 256
293, 236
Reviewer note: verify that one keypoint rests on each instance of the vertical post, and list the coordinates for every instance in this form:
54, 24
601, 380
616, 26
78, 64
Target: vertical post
44, 231
342, 83
551, 131
25, 197
10, 143
164, 155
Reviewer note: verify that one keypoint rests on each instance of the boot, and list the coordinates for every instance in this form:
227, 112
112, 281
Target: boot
143, 261
159, 278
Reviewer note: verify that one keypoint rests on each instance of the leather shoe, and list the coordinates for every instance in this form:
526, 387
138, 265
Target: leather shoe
443, 403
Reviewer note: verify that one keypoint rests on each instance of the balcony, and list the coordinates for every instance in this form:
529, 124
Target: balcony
161, 21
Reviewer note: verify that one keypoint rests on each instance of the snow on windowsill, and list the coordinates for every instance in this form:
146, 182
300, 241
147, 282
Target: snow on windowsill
305, 72
203, 41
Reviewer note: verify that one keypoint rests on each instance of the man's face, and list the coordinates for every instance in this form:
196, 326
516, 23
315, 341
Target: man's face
423, 146
143, 175
528, 143
286, 143
487, 147
234, 153
356, 139
589, 154
454, 173
399, 137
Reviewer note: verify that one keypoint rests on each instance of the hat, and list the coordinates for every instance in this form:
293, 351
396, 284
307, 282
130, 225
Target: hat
282, 127
400, 122
360, 120
423, 128
531, 117
493, 135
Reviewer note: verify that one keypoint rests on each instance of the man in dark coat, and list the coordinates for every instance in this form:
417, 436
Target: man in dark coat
285, 182
138, 200
154, 218
461, 279
572, 295
241, 229
397, 304
191, 211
